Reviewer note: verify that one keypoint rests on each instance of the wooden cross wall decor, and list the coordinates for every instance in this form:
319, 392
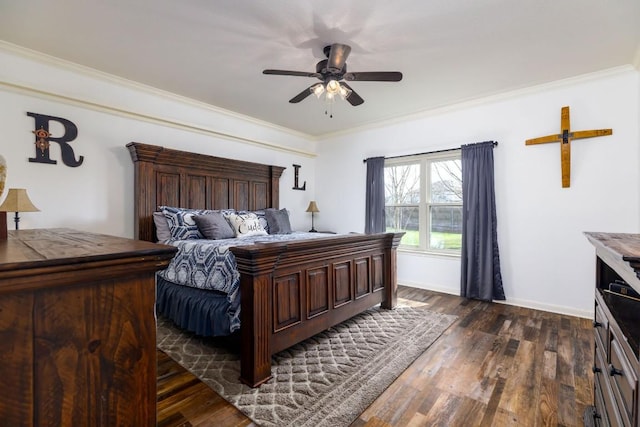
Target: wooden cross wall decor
565, 138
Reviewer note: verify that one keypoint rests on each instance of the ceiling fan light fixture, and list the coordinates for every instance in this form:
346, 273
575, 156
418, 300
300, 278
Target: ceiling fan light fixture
330, 72
344, 92
333, 87
317, 90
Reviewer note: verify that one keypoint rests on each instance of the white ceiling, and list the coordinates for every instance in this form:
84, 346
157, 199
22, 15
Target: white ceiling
214, 51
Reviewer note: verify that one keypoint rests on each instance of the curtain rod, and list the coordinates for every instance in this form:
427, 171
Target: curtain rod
495, 143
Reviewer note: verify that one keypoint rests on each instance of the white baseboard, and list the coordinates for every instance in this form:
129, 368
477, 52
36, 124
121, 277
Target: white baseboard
536, 305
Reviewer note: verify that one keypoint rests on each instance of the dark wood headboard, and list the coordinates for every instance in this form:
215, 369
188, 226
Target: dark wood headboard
167, 177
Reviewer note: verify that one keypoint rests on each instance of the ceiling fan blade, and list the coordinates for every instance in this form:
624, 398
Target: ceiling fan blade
374, 76
291, 73
337, 57
302, 95
353, 98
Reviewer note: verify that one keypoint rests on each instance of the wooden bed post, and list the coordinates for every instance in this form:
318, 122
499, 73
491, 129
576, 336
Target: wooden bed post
143, 157
391, 292
256, 274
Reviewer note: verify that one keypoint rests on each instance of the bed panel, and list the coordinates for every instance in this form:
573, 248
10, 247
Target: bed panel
341, 283
286, 301
363, 278
197, 196
220, 193
317, 291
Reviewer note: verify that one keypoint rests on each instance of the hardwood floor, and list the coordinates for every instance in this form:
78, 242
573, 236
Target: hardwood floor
497, 365
183, 400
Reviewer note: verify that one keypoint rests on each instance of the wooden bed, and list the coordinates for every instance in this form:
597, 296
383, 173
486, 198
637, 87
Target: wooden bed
290, 291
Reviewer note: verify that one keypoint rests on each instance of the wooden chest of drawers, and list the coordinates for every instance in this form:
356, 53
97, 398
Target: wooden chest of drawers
617, 332
77, 329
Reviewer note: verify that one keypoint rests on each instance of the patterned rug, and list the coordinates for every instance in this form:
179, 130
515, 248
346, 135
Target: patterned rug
327, 380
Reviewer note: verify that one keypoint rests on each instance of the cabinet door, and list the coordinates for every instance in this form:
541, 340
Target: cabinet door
95, 358
16, 350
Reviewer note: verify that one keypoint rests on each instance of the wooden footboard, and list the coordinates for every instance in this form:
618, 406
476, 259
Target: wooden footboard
293, 290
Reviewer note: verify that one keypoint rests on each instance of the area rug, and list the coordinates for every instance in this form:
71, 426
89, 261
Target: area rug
327, 380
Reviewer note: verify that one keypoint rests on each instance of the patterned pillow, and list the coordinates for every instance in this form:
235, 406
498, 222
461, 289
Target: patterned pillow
245, 225
263, 220
278, 221
261, 217
181, 223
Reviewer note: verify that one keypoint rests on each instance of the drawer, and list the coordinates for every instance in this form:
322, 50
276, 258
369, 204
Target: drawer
601, 348
610, 413
601, 417
623, 380
601, 323
599, 374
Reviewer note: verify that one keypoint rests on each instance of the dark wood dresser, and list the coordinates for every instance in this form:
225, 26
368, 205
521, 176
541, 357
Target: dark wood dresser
77, 329
616, 322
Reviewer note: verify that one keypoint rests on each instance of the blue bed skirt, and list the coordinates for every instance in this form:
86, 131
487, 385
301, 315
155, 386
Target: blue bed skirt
199, 311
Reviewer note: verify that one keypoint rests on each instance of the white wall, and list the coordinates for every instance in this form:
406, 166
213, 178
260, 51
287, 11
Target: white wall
546, 261
109, 113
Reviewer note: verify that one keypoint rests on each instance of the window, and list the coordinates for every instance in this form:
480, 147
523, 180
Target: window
423, 198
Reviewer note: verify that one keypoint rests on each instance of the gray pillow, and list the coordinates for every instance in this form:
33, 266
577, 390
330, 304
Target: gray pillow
278, 221
162, 226
214, 226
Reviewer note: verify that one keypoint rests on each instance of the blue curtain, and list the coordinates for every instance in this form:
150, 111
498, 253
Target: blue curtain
480, 275
374, 214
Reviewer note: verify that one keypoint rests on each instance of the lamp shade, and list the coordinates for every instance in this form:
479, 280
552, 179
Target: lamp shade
17, 201
312, 207
3, 173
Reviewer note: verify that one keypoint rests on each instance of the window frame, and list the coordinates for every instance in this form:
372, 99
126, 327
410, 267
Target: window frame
425, 204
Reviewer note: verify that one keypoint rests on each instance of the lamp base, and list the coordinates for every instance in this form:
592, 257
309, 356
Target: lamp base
3, 226
313, 230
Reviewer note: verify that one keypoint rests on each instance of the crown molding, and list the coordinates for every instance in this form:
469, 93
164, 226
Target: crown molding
150, 90
487, 99
148, 118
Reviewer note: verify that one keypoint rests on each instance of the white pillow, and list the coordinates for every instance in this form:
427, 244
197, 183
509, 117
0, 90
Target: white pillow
245, 225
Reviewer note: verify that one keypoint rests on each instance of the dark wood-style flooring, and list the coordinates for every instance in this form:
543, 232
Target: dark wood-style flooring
498, 365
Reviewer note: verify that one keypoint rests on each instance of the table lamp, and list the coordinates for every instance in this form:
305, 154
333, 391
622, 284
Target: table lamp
17, 201
312, 208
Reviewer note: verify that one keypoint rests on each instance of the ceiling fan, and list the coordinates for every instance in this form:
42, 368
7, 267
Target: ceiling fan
332, 71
